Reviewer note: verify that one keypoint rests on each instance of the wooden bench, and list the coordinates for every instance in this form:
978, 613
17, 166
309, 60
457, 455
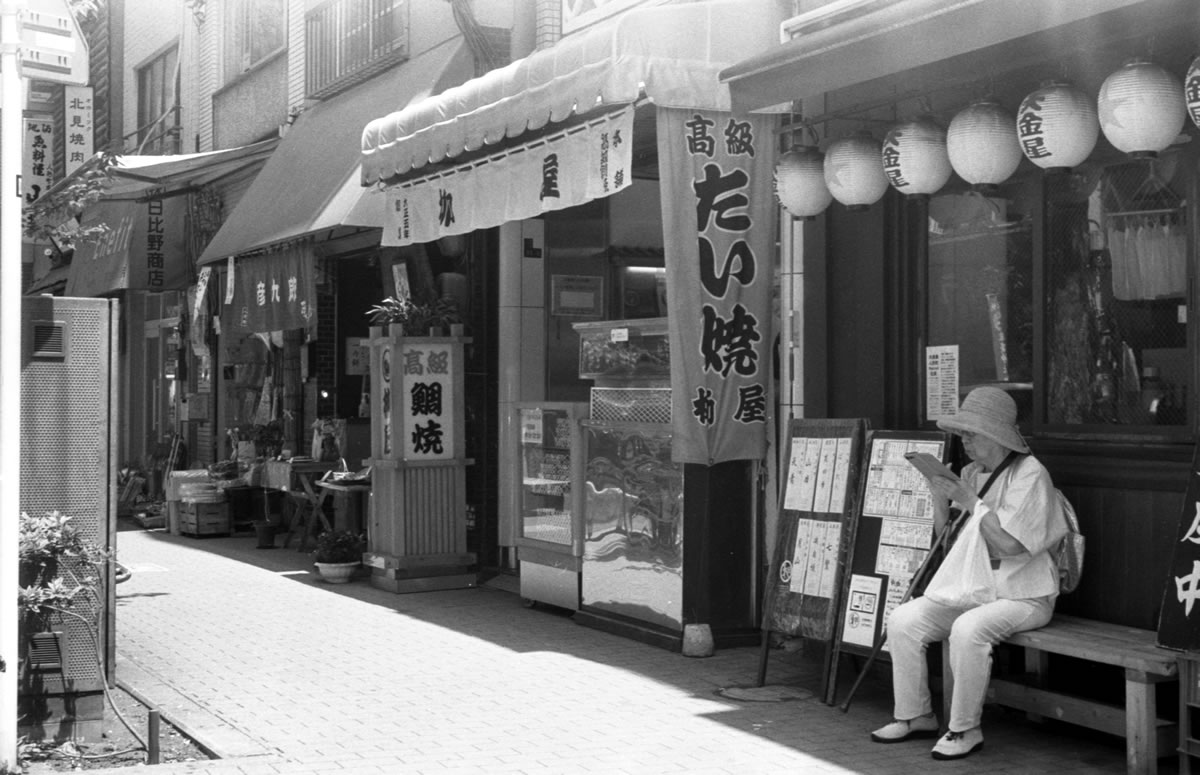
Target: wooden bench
1133, 649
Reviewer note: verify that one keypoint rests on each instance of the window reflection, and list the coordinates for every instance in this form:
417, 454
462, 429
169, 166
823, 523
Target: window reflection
981, 285
1116, 282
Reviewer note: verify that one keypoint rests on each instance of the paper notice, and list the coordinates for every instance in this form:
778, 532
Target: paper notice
800, 555
825, 476
862, 609
941, 381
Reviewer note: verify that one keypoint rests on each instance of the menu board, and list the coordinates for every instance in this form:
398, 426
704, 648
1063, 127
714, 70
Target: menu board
819, 498
893, 534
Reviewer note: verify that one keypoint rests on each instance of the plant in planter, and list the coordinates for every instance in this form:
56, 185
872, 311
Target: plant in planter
416, 319
338, 554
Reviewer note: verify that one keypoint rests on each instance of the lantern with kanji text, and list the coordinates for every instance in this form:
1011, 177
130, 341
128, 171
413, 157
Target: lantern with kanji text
1057, 126
914, 157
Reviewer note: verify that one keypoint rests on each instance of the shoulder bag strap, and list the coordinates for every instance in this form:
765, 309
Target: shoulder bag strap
1008, 460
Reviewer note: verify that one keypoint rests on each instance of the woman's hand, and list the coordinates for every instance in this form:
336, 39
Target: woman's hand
954, 490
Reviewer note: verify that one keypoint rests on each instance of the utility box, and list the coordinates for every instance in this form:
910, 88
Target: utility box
68, 464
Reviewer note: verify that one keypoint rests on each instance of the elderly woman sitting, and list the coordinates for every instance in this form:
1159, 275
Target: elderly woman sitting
1007, 496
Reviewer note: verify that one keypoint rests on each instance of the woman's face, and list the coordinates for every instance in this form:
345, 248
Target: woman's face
980, 448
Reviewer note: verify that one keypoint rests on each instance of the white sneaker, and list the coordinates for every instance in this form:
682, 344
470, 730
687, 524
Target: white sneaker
956, 745
899, 731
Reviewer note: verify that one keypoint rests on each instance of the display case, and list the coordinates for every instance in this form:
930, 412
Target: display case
633, 524
550, 465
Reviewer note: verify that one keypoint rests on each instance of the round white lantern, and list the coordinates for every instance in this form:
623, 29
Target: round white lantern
1191, 90
1057, 126
914, 157
1142, 108
982, 144
853, 171
800, 182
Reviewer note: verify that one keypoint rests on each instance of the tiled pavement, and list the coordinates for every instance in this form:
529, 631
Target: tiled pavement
281, 673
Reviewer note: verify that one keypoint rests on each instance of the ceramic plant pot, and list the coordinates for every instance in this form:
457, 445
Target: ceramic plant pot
336, 572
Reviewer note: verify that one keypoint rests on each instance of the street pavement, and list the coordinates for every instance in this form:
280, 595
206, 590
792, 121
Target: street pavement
276, 671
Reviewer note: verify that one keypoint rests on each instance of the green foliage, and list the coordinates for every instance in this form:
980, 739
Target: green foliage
417, 319
57, 564
54, 218
338, 546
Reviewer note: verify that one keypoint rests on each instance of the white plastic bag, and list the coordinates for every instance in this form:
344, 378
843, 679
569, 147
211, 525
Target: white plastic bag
965, 578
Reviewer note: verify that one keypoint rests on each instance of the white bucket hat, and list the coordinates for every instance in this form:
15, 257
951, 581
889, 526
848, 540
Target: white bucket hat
990, 412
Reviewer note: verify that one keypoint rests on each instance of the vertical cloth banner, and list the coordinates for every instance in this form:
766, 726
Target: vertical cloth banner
273, 292
718, 212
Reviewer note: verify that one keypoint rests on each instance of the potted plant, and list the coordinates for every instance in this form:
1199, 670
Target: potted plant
338, 555
413, 319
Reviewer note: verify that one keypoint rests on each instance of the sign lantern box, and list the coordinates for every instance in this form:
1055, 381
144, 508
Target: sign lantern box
417, 539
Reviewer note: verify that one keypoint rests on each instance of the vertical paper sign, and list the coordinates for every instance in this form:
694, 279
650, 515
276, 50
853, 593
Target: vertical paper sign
37, 168
941, 382
79, 138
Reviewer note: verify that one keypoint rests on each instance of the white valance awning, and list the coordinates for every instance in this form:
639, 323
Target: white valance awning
671, 54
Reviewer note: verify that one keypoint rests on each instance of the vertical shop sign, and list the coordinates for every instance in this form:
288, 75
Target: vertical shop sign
429, 422
718, 227
37, 171
78, 140
1179, 617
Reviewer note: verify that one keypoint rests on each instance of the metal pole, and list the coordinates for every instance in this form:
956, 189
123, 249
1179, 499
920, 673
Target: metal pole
12, 103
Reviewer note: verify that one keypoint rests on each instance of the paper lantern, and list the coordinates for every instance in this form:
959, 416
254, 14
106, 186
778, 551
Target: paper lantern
800, 182
854, 172
982, 144
1191, 90
1057, 126
1142, 108
914, 156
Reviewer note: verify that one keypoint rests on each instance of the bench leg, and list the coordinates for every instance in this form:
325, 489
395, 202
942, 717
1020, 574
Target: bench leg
1037, 664
1141, 738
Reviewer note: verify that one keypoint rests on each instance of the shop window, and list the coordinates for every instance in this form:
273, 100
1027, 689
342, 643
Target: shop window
158, 105
980, 285
348, 41
1117, 257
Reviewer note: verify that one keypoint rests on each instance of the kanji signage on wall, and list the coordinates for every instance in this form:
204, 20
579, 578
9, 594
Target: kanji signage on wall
37, 169
429, 373
718, 226
78, 140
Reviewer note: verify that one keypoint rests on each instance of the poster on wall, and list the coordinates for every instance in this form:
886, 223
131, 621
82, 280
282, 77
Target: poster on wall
718, 207
941, 382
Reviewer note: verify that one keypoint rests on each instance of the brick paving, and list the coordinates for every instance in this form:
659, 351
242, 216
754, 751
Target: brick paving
278, 672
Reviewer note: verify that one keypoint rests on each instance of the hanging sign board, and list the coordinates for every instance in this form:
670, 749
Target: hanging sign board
892, 535
1179, 616
819, 500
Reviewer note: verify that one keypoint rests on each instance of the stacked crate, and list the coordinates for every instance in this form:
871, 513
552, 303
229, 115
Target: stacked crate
203, 510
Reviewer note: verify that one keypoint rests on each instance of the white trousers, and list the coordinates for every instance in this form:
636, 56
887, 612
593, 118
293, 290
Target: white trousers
973, 632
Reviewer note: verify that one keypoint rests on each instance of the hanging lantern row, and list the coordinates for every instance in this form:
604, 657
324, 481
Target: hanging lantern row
1141, 109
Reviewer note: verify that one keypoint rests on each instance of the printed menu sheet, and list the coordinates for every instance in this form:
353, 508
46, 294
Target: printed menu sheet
899, 494
862, 610
818, 475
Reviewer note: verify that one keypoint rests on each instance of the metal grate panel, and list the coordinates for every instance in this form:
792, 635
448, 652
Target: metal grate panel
631, 404
66, 449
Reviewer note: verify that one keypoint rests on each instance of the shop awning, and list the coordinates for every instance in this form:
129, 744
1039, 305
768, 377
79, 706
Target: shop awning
310, 184
137, 176
861, 41
145, 248
670, 54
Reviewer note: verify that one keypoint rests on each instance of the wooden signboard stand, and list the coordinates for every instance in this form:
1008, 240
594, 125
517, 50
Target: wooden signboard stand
817, 503
891, 536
